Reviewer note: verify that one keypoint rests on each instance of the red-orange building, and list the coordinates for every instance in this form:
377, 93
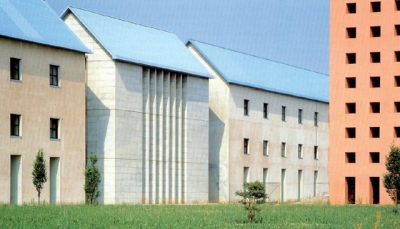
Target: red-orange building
364, 97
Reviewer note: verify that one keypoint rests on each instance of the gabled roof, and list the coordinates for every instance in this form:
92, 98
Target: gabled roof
129, 42
247, 70
34, 21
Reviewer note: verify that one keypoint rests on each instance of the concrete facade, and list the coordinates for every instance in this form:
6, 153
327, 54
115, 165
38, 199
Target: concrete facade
288, 177
36, 102
365, 88
147, 126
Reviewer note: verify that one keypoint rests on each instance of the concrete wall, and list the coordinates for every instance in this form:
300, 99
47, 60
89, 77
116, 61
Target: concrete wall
148, 127
36, 101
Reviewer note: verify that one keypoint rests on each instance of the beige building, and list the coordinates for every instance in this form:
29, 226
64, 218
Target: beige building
147, 111
268, 122
42, 91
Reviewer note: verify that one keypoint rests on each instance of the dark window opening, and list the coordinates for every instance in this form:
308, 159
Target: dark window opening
375, 81
15, 122
376, 7
350, 132
351, 58
397, 81
315, 118
351, 82
246, 146
15, 69
350, 157
283, 149
397, 132
397, 107
265, 110
374, 132
351, 190
300, 116
375, 107
351, 32
350, 108
375, 57
315, 152
54, 128
397, 56
351, 8
375, 31
246, 107
397, 5
283, 113
374, 190
374, 157
397, 30
54, 75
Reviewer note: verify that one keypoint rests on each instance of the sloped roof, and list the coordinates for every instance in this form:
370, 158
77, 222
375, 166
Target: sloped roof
130, 42
252, 71
34, 21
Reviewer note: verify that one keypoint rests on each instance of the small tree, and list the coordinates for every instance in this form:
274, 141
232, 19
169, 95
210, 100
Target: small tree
253, 194
391, 180
92, 180
39, 174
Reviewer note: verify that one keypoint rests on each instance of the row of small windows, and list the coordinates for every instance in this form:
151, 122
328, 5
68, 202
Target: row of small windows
16, 72
375, 57
283, 149
375, 31
15, 126
265, 112
373, 157
375, 7
374, 107
375, 82
374, 132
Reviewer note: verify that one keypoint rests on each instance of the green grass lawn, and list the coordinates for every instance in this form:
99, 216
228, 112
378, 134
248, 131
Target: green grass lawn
197, 216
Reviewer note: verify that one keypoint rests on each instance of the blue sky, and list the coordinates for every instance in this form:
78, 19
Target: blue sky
292, 32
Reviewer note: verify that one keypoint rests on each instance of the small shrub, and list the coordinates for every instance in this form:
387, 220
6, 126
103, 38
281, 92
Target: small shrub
391, 180
253, 194
39, 174
92, 180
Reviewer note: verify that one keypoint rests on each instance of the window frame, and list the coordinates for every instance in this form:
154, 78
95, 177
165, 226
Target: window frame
246, 105
15, 127
265, 110
54, 76
13, 70
283, 114
55, 129
300, 116
283, 149
265, 148
300, 151
316, 119
316, 154
246, 150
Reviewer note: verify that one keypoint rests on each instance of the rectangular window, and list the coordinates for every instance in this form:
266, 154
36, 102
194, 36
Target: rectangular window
350, 58
351, 32
246, 107
54, 123
246, 146
283, 113
15, 73
397, 81
375, 81
15, 125
246, 174
265, 148
397, 30
375, 31
315, 152
315, 118
375, 107
397, 107
300, 116
351, 157
350, 108
397, 132
283, 149
265, 110
397, 5
350, 132
54, 75
397, 56
375, 7
300, 150
374, 132
351, 8
350, 82
374, 157
375, 57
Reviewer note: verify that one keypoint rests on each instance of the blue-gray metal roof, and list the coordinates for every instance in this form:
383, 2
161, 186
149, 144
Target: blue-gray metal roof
252, 71
130, 42
34, 21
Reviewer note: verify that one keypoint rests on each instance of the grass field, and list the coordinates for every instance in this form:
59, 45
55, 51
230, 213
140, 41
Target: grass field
197, 216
